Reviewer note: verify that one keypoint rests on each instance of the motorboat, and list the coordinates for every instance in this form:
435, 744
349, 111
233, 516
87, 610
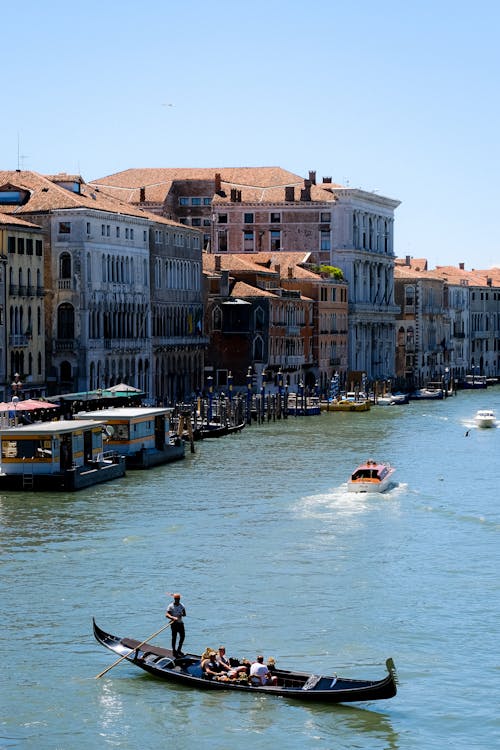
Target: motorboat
371, 477
392, 399
485, 418
427, 393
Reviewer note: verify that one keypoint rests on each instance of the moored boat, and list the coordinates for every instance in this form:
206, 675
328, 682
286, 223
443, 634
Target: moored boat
371, 477
186, 670
427, 393
392, 399
59, 455
485, 418
142, 434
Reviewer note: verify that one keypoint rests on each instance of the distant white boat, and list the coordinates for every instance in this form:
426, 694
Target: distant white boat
485, 418
371, 477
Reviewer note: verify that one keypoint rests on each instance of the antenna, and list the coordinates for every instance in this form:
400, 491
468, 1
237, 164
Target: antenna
20, 157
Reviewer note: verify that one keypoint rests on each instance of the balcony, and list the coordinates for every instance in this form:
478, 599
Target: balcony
64, 344
19, 339
64, 283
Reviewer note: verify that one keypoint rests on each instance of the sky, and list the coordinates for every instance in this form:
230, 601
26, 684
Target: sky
388, 96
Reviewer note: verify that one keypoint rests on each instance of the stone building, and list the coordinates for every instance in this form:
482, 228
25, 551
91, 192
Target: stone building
254, 322
98, 279
22, 322
268, 209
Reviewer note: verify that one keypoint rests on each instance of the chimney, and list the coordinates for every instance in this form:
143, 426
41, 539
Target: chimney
142, 195
290, 272
408, 260
217, 263
277, 269
290, 193
305, 194
234, 195
489, 281
461, 266
312, 177
327, 180
218, 182
224, 283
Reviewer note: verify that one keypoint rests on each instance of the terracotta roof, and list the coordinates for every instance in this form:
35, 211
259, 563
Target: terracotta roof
257, 184
418, 264
45, 195
9, 220
235, 262
454, 275
287, 260
240, 289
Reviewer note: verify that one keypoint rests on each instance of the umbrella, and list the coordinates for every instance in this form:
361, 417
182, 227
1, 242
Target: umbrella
123, 388
29, 404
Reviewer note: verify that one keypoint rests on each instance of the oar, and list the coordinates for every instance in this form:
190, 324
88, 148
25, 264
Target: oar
133, 649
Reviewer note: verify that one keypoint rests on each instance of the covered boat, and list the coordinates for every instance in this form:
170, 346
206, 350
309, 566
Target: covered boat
371, 477
60, 455
186, 670
141, 433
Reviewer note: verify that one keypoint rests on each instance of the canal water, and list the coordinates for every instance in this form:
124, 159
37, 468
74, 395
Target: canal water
271, 555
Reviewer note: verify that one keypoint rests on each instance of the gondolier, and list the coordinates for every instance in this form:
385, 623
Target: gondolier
175, 612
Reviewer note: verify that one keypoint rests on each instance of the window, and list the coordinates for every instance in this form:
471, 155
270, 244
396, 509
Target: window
275, 240
131, 234
195, 222
196, 201
275, 218
207, 201
324, 241
10, 196
11, 244
248, 218
334, 295
65, 266
222, 218
183, 201
38, 248
145, 235
223, 241
248, 242
64, 227
325, 217
126, 233
108, 230
117, 232
103, 230
66, 321
29, 247
20, 245
88, 227
206, 222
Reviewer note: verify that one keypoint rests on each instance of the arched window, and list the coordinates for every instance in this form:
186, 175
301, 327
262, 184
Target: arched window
65, 266
258, 349
259, 319
217, 319
65, 321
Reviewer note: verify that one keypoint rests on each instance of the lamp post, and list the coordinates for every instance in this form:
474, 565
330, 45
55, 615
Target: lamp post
230, 385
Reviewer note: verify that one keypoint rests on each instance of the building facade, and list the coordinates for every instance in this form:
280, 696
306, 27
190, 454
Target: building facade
22, 315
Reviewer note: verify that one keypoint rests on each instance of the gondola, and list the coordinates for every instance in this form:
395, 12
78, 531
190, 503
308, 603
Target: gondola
186, 670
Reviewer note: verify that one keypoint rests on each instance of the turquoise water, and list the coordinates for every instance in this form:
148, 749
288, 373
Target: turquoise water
271, 555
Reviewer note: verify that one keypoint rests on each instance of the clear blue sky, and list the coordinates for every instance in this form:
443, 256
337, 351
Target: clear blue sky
397, 97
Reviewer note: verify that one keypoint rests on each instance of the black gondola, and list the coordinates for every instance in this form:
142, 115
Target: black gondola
186, 670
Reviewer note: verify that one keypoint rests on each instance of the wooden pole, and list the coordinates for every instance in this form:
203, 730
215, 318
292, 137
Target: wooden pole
133, 649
